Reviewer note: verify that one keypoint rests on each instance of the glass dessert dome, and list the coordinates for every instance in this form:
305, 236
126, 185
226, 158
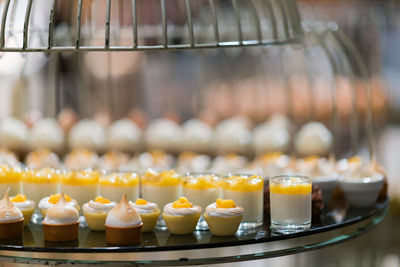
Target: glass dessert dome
108, 84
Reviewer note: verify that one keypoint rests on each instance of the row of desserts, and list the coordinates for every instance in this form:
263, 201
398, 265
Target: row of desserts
159, 187
234, 135
123, 223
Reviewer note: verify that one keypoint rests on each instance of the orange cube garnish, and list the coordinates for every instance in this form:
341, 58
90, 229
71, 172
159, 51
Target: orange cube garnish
225, 203
182, 203
102, 200
141, 201
19, 198
53, 199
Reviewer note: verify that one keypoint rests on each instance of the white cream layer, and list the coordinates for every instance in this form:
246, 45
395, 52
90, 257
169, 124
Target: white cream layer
213, 211
169, 210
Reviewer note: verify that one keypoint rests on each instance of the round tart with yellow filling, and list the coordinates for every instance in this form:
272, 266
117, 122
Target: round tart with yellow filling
95, 212
223, 217
50, 201
61, 222
181, 216
123, 224
148, 211
113, 186
11, 219
80, 185
26, 206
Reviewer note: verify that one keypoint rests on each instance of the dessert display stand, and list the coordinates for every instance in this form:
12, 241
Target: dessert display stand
200, 248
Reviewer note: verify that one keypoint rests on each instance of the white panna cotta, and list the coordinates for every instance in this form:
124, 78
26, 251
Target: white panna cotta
247, 192
80, 185
37, 184
113, 186
10, 179
161, 188
290, 200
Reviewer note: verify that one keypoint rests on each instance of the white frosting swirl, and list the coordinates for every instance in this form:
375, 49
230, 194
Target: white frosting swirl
213, 211
150, 207
28, 204
95, 207
169, 210
44, 203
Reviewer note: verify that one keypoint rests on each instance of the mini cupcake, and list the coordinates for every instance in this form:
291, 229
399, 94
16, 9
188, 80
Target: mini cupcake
50, 201
149, 213
61, 222
42, 158
26, 206
11, 219
123, 224
181, 216
223, 217
95, 212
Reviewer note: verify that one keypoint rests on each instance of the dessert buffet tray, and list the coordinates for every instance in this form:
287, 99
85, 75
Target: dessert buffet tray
201, 247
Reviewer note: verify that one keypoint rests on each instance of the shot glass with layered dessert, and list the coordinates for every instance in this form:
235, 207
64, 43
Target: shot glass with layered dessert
37, 184
80, 185
203, 189
290, 198
247, 192
161, 188
114, 185
10, 178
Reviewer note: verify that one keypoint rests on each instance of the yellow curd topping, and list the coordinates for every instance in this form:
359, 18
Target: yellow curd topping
157, 156
291, 189
102, 200
9, 175
165, 178
355, 159
18, 198
202, 182
45, 175
53, 199
186, 155
38, 155
182, 203
120, 179
86, 177
244, 183
225, 203
141, 201
311, 159
271, 156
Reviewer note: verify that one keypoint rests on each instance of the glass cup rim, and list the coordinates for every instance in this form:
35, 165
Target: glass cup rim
278, 179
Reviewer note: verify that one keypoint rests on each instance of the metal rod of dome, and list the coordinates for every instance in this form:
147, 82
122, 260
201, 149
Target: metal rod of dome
107, 31
3, 23
285, 19
51, 25
238, 22
190, 23
272, 18
134, 25
164, 23
253, 10
296, 19
214, 18
78, 25
26, 24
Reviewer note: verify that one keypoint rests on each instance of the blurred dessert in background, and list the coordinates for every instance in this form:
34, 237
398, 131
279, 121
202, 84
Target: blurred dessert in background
42, 158
47, 133
81, 159
88, 134
124, 135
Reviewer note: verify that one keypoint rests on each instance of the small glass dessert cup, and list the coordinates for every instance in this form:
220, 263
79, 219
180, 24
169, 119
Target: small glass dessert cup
80, 185
181, 216
61, 222
203, 189
161, 188
248, 192
26, 206
38, 184
114, 185
10, 178
223, 217
123, 224
96, 211
11, 219
290, 198
50, 201
149, 213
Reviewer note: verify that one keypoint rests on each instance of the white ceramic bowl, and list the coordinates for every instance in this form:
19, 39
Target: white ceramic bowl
362, 192
327, 185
